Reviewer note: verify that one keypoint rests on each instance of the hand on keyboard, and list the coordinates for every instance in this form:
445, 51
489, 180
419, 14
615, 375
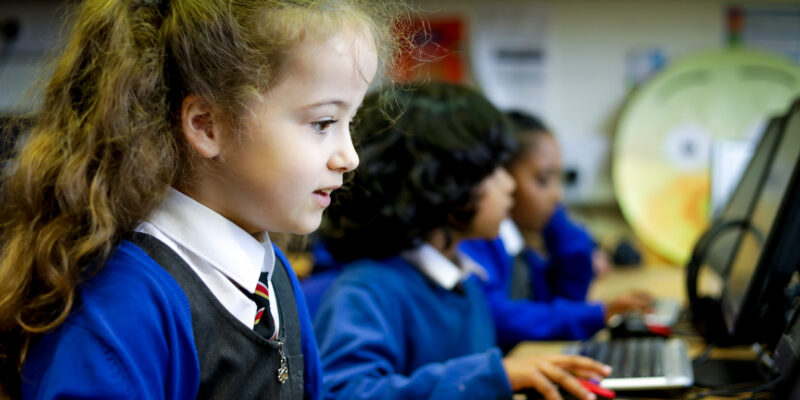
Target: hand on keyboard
599, 392
543, 372
634, 324
635, 300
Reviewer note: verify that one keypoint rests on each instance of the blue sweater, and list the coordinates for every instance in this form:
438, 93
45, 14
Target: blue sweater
130, 336
324, 273
558, 310
387, 332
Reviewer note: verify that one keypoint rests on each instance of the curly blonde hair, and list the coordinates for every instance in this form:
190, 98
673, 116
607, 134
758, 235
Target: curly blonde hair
107, 143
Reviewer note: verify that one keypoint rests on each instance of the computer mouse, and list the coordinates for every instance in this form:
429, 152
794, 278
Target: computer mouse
601, 392
633, 325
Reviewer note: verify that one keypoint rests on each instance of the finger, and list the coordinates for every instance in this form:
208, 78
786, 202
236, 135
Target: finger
636, 303
543, 385
566, 381
588, 375
583, 364
643, 296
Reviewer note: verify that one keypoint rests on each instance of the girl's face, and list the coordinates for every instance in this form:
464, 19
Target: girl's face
278, 175
537, 174
494, 203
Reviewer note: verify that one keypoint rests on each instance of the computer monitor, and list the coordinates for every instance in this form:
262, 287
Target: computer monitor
753, 299
741, 201
786, 358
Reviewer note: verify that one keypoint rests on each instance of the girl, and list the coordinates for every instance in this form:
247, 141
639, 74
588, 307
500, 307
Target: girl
533, 297
406, 319
135, 256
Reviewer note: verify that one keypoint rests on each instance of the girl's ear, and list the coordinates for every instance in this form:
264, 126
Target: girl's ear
201, 126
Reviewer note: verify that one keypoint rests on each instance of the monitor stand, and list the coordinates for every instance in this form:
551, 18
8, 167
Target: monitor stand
724, 373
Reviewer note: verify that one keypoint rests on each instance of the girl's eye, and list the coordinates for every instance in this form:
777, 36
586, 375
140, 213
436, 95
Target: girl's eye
542, 180
322, 126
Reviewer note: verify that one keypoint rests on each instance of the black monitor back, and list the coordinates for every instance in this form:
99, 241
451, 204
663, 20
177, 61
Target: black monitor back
716, 248
787, 360
740, 204
753, 301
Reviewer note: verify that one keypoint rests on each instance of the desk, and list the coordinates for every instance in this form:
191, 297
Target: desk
661, 281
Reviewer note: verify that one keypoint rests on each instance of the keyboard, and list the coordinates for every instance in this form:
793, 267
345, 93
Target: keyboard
641, 363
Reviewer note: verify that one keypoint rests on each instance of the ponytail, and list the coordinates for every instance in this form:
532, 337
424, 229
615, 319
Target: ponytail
99, 158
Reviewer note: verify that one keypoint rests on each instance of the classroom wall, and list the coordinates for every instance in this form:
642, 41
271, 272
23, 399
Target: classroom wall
21, 61
588, 80
587, 43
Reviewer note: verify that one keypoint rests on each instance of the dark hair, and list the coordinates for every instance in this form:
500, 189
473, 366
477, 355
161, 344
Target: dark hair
527, 129
422, 155
523, 121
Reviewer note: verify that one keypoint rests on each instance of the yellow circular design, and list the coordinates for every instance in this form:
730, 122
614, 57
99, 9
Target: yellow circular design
660, 163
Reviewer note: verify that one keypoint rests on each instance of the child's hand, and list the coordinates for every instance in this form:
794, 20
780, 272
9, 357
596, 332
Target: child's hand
601, 262
544, 371
635, 300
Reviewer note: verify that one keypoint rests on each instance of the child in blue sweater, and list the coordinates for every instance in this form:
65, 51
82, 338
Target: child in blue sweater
534, 296
407, 318
135, 259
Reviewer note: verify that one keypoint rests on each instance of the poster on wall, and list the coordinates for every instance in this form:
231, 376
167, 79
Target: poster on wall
510, 55
773, 27
437, 52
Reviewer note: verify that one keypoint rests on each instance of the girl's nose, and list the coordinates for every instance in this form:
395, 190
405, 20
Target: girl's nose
345, 157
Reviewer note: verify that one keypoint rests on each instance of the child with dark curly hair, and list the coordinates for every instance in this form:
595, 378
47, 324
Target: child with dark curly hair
407, 318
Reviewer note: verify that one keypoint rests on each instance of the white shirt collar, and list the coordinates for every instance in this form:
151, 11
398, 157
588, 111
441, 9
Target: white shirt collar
440, 269
511, 237
223, 244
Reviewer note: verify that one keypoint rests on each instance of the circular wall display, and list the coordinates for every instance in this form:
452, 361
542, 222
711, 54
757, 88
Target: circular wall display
660, 161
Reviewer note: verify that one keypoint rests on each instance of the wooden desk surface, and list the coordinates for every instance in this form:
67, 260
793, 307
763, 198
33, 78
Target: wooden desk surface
660, 280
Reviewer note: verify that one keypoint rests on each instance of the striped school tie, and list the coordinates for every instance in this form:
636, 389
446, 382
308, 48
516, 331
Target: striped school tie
264, 325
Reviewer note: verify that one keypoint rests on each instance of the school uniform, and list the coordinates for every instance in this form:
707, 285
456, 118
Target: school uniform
323, 274
533, 298
169, 316
412, 326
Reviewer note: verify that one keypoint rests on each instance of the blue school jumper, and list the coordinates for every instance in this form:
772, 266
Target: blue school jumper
130, 335
323, 274
557, 309
387, 332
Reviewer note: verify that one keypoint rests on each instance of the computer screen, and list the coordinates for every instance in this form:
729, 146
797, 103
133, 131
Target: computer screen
753, 299
740, 204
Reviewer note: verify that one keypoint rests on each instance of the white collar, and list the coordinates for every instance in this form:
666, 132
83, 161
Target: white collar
511, 237
223, 244
439, 268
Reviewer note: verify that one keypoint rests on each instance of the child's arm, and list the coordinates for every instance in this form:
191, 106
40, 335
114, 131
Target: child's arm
518, 320
77, 364
363, 351
570, 249
561, 319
